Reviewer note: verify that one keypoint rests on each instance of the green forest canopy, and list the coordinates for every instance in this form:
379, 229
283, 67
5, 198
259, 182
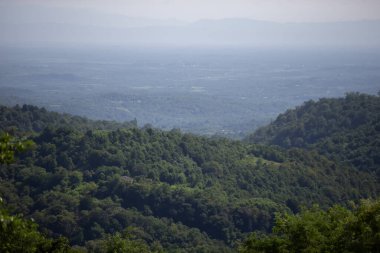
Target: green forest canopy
90, 180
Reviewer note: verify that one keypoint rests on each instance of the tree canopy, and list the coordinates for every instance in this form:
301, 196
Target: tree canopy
335, 230
106, 184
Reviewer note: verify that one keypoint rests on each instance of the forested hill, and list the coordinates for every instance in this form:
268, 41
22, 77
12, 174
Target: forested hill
343, 129
29, 118
87, 180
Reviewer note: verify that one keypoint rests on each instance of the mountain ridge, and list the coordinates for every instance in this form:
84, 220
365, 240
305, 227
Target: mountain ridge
344, 129
71, 25
87, 180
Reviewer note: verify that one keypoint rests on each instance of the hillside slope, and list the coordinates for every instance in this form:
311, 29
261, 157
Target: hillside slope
86, 180
344, 129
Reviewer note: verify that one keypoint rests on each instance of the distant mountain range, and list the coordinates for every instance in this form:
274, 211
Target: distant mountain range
41, 25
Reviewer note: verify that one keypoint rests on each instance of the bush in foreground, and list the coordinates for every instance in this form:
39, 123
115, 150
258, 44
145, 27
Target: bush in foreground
335, 230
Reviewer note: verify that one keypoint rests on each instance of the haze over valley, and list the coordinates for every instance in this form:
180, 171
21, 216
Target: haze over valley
205, 91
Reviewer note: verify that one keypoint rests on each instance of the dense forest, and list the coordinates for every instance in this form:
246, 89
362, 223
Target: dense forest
335, 230
346, 130
102, 186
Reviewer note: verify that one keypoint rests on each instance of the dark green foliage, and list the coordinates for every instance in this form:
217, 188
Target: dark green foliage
335, 230
28, 118
9, 146
180, 192
345, 129
21, 235
122, 242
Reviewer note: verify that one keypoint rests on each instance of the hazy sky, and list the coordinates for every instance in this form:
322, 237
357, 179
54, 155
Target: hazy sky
274, 10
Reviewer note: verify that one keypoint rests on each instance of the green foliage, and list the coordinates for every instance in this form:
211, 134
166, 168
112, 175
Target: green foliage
335, 230
181, 192
118, 244
343, 129
21, 235
29, 118
125, 241
9, 146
